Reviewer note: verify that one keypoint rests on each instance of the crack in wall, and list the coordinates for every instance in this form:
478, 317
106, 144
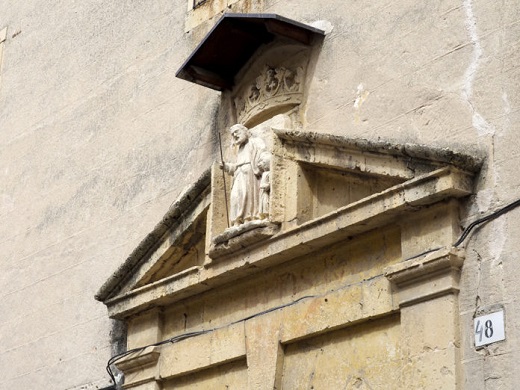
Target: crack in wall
478, 301
482, 126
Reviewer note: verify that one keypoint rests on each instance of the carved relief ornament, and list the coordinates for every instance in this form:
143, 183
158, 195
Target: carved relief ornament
275, 87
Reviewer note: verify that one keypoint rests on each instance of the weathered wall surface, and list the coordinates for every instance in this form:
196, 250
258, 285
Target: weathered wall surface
335, 281
97, 138
441, 73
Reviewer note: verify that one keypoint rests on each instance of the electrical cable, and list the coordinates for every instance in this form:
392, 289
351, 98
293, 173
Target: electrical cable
487, 218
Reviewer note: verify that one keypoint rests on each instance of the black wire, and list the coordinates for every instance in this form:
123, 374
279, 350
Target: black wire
487, 218
424, 253
188, 335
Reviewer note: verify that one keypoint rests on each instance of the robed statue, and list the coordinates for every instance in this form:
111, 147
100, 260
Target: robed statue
247, 170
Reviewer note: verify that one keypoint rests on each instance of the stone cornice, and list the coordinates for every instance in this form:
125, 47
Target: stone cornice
469, 160
174, 216
374, 211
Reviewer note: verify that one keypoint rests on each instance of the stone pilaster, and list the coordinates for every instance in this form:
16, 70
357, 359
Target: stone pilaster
426, 290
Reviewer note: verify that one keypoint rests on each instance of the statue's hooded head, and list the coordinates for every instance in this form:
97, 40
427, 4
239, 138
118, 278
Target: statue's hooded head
264, 161
240, 134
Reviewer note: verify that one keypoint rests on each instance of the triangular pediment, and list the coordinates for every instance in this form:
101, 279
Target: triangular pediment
323, 189
180, 251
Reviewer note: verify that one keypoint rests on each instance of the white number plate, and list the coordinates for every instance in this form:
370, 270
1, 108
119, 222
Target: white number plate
489, 328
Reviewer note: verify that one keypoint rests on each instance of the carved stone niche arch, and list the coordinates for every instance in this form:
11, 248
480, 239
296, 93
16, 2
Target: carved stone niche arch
273, 82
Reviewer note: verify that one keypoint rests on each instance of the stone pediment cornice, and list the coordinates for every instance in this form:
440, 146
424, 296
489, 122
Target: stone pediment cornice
408, 155
420, 177
185, 204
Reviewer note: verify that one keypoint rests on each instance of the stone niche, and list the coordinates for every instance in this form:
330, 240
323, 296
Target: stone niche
273, 83
355, 287
349, 281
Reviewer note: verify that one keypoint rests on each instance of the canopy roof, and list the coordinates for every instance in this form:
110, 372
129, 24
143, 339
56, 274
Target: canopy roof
233, 41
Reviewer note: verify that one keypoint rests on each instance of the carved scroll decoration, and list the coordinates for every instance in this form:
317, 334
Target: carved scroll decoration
275, 87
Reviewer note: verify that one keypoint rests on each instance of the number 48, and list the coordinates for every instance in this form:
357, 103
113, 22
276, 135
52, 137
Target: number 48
486, 330
489, 328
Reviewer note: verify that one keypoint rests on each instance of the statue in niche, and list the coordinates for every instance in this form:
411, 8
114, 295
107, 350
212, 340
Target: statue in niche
265, 185
245, 189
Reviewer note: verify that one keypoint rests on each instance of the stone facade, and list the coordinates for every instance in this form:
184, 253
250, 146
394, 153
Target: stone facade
308, 301
389, 135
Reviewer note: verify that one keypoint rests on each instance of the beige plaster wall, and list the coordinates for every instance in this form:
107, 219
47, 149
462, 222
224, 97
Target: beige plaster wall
97, 139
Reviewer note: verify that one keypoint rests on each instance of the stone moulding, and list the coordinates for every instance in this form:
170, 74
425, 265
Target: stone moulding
356, 218
164, 286
430, 276
423, 176
239, 230
186, 201
250, 234
406, 155
139, 360
140, 366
